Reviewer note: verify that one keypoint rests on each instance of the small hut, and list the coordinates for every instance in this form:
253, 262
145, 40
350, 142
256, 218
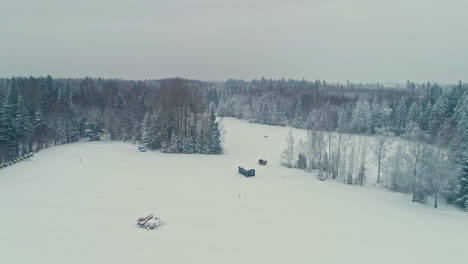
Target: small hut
247, 173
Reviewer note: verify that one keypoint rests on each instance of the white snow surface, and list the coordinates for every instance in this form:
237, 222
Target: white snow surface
56, 209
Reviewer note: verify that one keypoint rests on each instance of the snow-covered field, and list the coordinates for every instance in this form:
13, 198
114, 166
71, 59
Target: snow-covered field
56, 209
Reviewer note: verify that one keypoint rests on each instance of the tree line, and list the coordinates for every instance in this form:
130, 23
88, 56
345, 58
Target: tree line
173, 115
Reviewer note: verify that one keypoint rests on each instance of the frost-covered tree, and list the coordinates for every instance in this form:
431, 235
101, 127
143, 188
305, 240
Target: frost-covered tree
414, 114
361, 119
361, 176
175, 144
145, 130
280, 114
23, 123
288, 155
214, 133
350, 171
93, 130
40, 125
416, 152
381, 147
7, 133
298, 112
395, 170
463, 178
301, 161
45, 100
399, 117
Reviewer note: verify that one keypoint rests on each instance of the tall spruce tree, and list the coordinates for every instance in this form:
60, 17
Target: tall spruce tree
215, 136
23, 124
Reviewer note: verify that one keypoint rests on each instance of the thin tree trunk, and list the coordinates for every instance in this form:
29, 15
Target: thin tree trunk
414, 184
378, 170
338, 157
329, 154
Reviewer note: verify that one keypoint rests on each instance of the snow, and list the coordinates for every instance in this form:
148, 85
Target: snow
56, 209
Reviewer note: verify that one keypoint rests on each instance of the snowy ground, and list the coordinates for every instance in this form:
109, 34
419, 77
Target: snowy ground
55, 209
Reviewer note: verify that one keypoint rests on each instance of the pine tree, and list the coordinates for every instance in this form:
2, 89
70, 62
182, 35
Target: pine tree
264, 114
361, 117
301, 161
203, 146
361, 175
188, 145
7, 133
175, 143
45, 96
425, 117
11, 100
438, 115
40, 125
349, 178
93, 130
23, 125
281, 112
462, 199
75, 125
145, 133
461, 120
298, 120
384, 114
414, 113
215, 136
399, 120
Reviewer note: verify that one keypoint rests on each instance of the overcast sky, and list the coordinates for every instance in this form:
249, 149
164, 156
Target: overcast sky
334, 40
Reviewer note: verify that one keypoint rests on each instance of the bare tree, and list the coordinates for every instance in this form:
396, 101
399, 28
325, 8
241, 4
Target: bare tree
288, 155
352, 161
395, 170
364, 149
381, 147
417, 149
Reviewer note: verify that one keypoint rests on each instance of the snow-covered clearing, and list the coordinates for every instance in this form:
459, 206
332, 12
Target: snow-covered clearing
56, 209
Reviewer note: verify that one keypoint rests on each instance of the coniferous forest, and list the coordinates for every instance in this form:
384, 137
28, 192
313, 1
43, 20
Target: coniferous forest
173, 115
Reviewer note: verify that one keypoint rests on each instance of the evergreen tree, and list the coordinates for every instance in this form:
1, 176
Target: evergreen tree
438, 115
175, 143
399, 121
145, 133
188, 144
361, 119
93, 130
301, 161
414, 113
11, 100
7, 133
361, 175
40, 125
203, 146
263, 112
215, 136
425, 116
281, 113
45, 96
76, 124
23, 124
349, 178
298, 112
384, 115
461, 121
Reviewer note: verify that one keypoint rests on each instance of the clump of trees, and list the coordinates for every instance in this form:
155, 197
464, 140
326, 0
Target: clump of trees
173, 115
